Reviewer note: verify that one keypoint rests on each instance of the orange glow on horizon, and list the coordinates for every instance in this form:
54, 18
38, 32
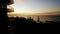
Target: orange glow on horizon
21, 8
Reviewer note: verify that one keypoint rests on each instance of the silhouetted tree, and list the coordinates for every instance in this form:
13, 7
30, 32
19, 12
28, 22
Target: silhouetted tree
3, 15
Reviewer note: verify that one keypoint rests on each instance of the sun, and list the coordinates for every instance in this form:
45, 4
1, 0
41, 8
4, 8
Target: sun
19, 7
19, 10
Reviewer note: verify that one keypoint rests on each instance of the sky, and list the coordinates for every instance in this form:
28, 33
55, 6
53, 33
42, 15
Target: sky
36, 6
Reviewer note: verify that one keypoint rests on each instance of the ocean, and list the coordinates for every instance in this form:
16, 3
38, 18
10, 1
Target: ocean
43, 18
47, 17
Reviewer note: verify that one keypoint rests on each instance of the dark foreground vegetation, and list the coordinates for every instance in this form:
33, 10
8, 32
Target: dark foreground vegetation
29, 25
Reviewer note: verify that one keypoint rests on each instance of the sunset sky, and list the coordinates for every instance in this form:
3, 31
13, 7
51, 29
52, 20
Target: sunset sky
36, 6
